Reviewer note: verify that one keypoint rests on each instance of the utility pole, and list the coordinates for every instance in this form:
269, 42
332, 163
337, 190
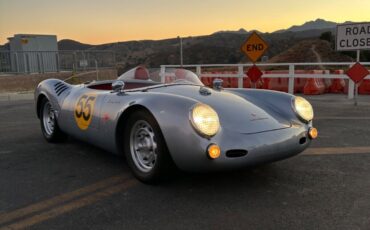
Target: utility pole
181, 55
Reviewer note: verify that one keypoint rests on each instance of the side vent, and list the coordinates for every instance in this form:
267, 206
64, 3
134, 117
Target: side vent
60, 87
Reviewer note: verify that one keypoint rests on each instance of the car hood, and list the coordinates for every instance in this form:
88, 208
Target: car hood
235, 113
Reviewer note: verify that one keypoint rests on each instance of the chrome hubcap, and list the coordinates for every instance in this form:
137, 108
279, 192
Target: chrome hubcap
143, 146
48, 118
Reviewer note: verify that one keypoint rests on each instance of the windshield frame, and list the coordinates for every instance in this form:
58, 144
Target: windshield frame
176, 76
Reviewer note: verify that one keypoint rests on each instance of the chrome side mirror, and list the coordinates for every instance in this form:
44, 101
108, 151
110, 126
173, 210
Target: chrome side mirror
217, 84
118, 86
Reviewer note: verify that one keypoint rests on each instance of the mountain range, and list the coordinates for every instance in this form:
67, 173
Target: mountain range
219, 47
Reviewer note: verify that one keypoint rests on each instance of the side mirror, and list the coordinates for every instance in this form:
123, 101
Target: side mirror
217, 84
118, 86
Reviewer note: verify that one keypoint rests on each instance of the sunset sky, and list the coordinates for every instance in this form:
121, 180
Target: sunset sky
95, 21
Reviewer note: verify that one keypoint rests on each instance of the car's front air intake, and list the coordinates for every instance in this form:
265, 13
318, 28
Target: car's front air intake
236, 153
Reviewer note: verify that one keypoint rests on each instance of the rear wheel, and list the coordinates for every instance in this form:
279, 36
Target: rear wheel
49, 124
145, 148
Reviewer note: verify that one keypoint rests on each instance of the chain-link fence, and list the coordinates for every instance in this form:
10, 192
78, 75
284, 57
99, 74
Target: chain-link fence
55, 61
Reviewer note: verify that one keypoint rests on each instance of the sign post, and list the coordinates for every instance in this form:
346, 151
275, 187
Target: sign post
254, 47
354, 37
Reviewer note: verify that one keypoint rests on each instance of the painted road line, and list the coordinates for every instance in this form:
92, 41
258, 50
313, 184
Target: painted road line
40, 206
73, 205
342, 118
336, 150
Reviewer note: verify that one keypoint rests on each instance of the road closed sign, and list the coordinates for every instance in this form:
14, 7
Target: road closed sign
353, 36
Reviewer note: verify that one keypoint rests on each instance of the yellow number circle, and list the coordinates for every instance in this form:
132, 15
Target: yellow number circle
84, 110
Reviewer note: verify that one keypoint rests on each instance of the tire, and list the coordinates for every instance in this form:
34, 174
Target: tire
49, 124
145, 149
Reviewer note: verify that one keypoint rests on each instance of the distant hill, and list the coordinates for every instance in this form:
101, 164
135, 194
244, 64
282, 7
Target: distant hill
68, 44
318, 24
240, 31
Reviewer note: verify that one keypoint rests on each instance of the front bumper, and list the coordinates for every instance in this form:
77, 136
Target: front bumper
264, 147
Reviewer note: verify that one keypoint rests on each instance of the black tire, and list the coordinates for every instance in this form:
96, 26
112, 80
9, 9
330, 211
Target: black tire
163, 165
53, 135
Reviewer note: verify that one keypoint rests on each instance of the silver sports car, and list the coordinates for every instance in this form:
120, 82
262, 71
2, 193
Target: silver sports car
161, 120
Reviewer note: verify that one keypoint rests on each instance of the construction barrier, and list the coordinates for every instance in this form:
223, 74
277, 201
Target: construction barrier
337, 85
299, 84
310, 86
364, 88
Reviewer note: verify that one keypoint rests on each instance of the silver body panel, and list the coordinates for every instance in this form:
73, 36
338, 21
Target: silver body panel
260, 121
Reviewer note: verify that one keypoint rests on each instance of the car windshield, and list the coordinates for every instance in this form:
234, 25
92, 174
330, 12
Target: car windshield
171, 76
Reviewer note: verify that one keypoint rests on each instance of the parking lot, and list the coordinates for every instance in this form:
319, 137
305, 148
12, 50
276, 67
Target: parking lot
77, 186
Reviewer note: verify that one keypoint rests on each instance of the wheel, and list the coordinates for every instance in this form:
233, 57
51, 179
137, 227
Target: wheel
145, 149
49, 124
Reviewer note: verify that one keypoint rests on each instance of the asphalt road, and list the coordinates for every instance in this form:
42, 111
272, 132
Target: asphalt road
76, 186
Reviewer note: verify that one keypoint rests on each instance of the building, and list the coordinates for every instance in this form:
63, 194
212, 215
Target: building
31, 53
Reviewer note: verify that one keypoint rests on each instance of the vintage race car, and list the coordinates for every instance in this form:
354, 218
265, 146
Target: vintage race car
159, 120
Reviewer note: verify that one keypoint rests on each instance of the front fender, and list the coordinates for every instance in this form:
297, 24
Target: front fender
274, 101
55, 91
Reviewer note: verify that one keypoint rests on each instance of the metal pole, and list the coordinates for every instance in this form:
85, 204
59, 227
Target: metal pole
356, 85
181, 55
162, 74
57, 62
97, 72
199, 71
16, 61
240, 76
291, 79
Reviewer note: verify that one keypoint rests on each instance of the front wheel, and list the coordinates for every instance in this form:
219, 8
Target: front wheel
49, 124
145, 148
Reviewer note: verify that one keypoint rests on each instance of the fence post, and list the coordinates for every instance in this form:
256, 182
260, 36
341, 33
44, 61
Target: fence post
291, 79
74, 62
38, 62
240, 76
162, 73
28, 66
16, 61
351, 87
57, 61
199, 71
97, 71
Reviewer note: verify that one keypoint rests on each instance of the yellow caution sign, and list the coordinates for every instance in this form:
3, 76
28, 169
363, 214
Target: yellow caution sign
254, 47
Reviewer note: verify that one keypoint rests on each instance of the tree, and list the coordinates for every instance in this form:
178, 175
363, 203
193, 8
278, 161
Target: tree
327, 36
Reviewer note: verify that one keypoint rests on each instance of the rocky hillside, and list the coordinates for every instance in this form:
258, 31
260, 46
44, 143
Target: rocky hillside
311, 50
220, 47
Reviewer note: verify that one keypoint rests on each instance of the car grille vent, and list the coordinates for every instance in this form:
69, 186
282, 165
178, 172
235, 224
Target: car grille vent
236, 153
60, 87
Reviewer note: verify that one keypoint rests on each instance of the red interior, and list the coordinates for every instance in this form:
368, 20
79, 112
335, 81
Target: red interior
141, 73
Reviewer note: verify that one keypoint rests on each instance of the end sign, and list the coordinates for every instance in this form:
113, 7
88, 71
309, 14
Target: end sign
254, 47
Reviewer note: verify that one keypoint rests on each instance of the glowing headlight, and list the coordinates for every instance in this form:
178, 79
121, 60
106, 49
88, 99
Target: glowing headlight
205, 120
303, 108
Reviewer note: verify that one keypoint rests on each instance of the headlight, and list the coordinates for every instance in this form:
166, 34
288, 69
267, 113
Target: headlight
303, 108
205, 120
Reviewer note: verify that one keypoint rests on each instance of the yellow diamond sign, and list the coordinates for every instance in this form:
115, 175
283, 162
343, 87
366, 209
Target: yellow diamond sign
254, 47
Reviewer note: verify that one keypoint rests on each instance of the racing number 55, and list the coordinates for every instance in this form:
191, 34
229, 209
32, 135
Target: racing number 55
83, 111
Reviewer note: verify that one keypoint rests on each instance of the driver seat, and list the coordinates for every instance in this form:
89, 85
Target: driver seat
141, 73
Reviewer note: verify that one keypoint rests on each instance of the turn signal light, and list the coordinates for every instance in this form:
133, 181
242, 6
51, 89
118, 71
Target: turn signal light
313, 133
214, 151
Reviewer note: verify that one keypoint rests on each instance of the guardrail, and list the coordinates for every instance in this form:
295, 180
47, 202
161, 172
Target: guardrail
291, 75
